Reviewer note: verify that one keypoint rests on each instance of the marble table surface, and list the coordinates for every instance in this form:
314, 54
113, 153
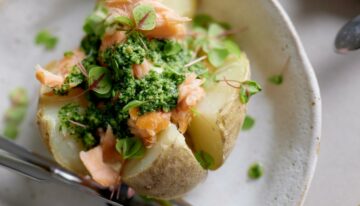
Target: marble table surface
336, 181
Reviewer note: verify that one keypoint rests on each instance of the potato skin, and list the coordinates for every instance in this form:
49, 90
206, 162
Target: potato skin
230, 120
174, 173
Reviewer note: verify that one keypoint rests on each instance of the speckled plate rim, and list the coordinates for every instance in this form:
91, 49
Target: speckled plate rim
315, 93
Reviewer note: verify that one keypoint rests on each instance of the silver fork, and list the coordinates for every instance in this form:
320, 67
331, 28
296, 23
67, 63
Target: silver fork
41, 169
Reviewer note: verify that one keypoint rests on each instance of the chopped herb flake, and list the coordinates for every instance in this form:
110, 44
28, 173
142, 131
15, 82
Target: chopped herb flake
255, 171
68, 54
276, 79
248, 123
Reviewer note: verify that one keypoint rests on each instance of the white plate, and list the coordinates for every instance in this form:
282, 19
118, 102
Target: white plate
285, 138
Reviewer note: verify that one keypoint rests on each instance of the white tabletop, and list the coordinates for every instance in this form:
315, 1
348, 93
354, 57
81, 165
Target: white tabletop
336, 181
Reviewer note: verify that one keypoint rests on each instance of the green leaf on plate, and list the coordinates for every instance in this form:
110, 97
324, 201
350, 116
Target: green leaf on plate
249, 123
19, 96
255, 171
11, 131
276, 79
15, 114
46, 39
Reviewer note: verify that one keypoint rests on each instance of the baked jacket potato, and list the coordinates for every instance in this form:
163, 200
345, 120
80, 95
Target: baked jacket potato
145, 101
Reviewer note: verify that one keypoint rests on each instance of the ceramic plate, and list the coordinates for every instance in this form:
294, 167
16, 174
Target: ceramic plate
286, 135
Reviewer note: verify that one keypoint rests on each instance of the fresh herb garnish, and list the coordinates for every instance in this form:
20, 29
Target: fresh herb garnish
145, 17
132, 104
95, 23
218, 56
15, 115
205, 160
130, 148
123, 20
276, 79
255, 171
19, 97
100, 80
248, 123
247, 90
46, 39
68, 54
11, 131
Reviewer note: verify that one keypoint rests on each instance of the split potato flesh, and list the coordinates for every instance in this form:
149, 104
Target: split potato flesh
168, 170
65, 149
220, 115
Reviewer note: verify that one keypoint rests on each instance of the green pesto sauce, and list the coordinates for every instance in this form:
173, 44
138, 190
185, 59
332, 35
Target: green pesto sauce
157, 91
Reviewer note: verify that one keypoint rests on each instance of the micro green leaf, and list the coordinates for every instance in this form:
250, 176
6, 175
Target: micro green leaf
276, 79
130, 148
218, 56
202, 20
46, 39
248, 123
19, 96
100, 80
11, 131
232, 47
145, 17
123, 20
215, 30
247, 90
205, 160
132, 104
95, 23
255, 171
15, 114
